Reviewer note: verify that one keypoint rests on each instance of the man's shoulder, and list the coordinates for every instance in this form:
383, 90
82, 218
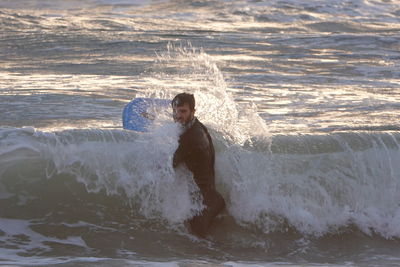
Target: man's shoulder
198, 128
197, 133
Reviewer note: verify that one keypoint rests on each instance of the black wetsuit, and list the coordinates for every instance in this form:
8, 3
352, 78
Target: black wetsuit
196, 150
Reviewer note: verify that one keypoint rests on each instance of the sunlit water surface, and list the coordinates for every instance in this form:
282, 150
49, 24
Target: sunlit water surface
302, 99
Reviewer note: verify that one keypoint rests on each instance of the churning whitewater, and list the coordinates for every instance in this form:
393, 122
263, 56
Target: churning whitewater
301, 99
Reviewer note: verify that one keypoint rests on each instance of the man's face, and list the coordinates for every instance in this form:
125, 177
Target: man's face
183, 114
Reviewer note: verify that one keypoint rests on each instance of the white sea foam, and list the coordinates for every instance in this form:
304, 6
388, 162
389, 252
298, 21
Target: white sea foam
315, 185
18, 233
284, 87
316, 193
141, 170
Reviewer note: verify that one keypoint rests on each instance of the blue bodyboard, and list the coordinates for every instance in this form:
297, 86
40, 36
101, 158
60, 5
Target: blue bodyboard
139, 114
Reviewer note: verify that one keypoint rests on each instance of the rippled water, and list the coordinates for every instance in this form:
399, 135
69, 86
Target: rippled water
302, 99
308, 67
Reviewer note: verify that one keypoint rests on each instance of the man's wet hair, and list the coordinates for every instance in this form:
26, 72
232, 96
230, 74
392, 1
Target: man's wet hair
182, 98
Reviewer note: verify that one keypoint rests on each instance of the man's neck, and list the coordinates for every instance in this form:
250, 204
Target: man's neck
189, 124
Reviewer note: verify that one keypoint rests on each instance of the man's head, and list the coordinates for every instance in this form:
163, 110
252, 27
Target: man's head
183, 108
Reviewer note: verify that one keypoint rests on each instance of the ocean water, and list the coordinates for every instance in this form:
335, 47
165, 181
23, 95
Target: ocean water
302, 99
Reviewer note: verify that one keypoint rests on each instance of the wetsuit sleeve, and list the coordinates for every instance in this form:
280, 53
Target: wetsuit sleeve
199, 159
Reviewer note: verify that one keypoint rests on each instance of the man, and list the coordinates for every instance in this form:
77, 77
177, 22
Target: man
196, 150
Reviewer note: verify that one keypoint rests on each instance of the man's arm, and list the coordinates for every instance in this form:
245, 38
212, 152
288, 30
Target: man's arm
178, 157
200, 159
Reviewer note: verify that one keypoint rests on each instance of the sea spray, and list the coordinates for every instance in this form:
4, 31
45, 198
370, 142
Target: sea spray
315, 184
326, 184
137, 167
198, 73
